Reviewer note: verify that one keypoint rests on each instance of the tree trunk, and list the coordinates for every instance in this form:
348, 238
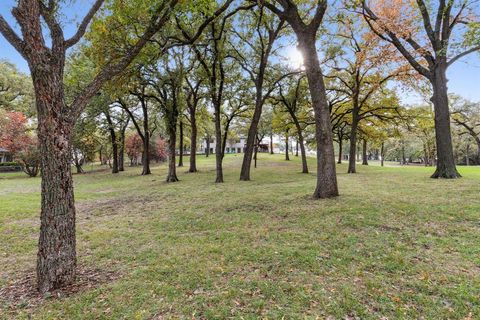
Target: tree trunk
364, 153
207, 153
326, 171
287, 156
172, 143
180, 146
121, 151
251, 137
146, 154
340, 146
113, 140
353, 142
271, 143
193, 144
445, 159
218, 145
256, 153
382, 154
56, 259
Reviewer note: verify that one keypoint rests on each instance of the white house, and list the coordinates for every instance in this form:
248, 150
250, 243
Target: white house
232, 146
5, 155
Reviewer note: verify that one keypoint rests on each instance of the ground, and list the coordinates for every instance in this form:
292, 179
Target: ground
395, 245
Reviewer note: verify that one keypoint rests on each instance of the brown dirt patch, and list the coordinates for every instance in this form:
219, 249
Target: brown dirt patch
22, 294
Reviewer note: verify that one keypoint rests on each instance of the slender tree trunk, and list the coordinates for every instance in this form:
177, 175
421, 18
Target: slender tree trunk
445, 159
364, 153
271, 143
113, 140
287, 152
146, 154
208, 147
340, 146
180, 148
218, 145
252, 134
56, 259
353, 142
382, 154
256, 153
193, 144
172, 143
121, 151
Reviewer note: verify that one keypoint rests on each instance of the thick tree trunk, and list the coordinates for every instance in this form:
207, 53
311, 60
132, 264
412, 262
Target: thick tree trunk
326, 171
364, 153
287, 152
193, 144
353, 143
180, 146
445, 159
56, 259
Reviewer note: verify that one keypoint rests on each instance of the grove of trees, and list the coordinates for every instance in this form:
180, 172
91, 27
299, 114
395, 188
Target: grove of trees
142, 81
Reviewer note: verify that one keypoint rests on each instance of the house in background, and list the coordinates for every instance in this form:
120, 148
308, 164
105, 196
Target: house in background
232, 146
5, 155
236, 146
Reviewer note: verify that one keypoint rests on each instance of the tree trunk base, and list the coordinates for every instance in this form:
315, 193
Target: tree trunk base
172, 179
445, 174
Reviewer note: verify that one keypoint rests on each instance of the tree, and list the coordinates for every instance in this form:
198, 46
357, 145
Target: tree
431, 36
211, 55
193, 98
291, 95
29, 157
16, 92
133, 147
362, 68
466, 116
257, 35
306, 33
56, 263
13, 130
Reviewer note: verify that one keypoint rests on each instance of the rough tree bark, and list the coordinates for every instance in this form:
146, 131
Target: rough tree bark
56, 259
306, 36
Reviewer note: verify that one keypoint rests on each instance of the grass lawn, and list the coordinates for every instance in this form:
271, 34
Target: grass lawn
395, 245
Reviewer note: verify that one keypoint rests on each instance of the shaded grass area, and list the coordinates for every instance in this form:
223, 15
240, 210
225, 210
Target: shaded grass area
395, 244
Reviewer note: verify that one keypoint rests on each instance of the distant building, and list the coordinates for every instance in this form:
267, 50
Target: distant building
232, 146
5, 155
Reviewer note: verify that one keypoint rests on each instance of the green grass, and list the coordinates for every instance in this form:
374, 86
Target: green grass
395, 244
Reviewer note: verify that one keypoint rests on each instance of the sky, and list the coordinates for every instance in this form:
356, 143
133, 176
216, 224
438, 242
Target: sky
464, 75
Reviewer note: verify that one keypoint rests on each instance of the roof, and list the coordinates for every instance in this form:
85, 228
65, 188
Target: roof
3, 150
